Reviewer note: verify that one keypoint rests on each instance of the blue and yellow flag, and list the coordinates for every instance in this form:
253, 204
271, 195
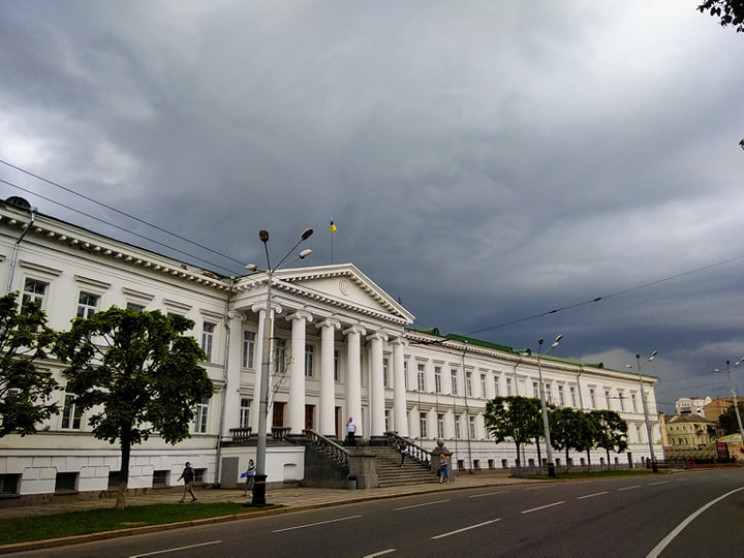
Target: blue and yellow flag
333, 227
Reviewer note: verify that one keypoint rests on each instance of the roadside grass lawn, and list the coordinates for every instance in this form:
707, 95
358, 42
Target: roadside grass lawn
42, 527
579, 474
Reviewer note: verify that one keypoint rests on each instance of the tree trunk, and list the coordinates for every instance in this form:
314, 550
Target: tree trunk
568, 463
121, 489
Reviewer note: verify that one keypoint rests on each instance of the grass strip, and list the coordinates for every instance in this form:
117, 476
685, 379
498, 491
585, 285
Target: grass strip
42, 527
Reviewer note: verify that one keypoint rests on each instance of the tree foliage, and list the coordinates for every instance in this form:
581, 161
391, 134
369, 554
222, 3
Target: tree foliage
611, 431
514, 417
727, 421
729, 12
25, 391
139, 374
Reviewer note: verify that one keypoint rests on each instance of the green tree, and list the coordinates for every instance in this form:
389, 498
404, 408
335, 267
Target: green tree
514, 417
25, 391
565, 430
729, 12
611, 432
727, 421
139, 373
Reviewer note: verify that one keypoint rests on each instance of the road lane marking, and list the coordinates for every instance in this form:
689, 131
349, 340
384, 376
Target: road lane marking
591, 495
420, 505
544, 507
659, 548
490, 494
180, 548
629, 488
316, 524
381, 553
465, 529
658, 483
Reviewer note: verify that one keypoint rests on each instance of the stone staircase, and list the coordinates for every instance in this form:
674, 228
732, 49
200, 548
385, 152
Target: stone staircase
390, 473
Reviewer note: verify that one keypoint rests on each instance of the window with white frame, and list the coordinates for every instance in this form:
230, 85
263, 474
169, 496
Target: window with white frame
438, 379
535, 390
496, 390
385, 372
608, 399
471, 427
548, 392
202, 414
336, 366
249, 348
621, 398
457, 426
422, 426
136, 307
208, 339
71, 414
453, 377
572, 393
484, 390
309, 359
87, 304
592, 398
561, 397
440, 425
280, 355
387, 420
34, 291
245, 412
421, 377
634, 401
405, 373
469, 384
508, 387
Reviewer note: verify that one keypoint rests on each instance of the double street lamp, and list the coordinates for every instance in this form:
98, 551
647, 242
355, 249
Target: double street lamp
652, 356
543, 404
733, 393
259, 487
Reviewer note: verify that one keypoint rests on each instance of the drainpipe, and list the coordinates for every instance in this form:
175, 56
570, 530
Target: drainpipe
218, 467
16, 247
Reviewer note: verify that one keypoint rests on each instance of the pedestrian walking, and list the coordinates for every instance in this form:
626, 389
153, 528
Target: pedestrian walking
403, 450
443, 470
351, 428
189, 478
250, 476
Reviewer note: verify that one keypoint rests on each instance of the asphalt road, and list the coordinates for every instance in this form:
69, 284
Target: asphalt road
696, 514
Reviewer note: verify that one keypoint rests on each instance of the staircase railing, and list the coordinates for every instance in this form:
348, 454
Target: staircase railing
334, 451
413, 450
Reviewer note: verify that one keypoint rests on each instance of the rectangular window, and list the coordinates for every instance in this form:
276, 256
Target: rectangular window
535, 390
387, 420
608, 399
548, 392
421, 378
471, 427
161, 478
422, 426
202, 414
469, 384
405, 373
438, 379
9, 484
592, 398
336, 366
385, 370
135, 307
87, 304
561, 398
308, 361
484, 391
249, 347
453, 377
457, 427
572, 392
440, 425
33, 291
509, 387
71, 414
621, 398
65, 482
635, 402
245, 412
280, 353
208, 339
496, 390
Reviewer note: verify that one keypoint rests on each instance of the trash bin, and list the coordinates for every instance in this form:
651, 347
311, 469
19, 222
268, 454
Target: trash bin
351, 482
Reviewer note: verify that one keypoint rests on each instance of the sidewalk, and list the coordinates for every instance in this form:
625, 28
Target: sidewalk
291, 498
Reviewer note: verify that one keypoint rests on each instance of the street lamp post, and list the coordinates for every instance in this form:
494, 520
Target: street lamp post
652, 356
733, 394
259, 487
543, 404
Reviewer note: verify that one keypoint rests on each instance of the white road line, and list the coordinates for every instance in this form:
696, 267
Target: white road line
659, 548
464, 529
591, 495
318, 523
178, 549
629, 488
420, 505
658, 483
381, 553
489, 494
544, 507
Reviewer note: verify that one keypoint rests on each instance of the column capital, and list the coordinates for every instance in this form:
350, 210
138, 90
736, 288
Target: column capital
377, 336
354, 329
261, 307
235, 315
300, 315
400, 341
330, 322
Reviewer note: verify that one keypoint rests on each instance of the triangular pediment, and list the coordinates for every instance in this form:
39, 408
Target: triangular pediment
342, 286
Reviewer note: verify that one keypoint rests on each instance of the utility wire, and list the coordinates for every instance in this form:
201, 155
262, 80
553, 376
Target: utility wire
110, 208
116, 226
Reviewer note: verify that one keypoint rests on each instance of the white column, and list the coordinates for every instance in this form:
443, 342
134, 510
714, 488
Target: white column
400, 422
327, 411
257, 364
296, 406
234, 364
377, 384
354, 376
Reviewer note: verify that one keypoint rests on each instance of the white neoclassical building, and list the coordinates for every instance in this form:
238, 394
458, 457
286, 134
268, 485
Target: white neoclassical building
341, 347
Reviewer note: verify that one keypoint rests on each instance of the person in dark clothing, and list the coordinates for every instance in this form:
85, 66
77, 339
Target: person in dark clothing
189, 478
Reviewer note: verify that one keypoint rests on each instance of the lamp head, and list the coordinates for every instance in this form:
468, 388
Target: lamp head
540, 341
263, 235
653, 354
556, 342
305, 253
307, 233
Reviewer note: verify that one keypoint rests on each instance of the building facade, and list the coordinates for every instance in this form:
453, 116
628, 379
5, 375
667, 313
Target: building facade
340, 347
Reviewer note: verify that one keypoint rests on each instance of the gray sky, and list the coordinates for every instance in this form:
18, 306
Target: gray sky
485, 162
